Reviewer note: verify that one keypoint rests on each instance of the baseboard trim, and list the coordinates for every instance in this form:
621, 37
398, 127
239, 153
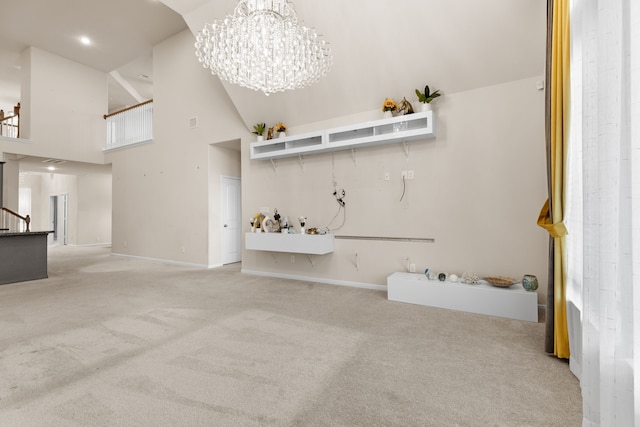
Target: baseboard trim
316, 279
167, 261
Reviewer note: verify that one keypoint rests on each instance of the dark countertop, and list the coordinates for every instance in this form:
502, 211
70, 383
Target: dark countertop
4, 233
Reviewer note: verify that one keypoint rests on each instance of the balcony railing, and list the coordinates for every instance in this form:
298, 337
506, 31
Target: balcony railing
133, 125
10, 123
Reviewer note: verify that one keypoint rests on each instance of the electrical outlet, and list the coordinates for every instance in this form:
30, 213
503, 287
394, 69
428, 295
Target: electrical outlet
293, 259
403, 175
409, 174
412, 268
387, 176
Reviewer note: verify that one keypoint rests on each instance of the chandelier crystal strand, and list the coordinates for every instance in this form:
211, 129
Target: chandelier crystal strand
263, 47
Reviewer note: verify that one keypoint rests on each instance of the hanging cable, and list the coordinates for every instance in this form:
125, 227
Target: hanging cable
404, 187
344, 219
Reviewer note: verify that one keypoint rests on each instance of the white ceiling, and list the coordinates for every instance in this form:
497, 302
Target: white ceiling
49, 165
381, 48
123, 33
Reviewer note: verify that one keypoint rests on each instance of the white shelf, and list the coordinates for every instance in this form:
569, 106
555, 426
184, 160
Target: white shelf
287, 146
512, 302
405, 128
311, 244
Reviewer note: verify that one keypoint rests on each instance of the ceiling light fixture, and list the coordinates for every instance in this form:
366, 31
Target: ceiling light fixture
85, 40
264, 47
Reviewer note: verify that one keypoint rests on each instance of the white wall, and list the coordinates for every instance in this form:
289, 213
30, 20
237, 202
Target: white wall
94, 209
39, 205
161, 190
477, 191
10, 181
56, 185
63, 104
88, 199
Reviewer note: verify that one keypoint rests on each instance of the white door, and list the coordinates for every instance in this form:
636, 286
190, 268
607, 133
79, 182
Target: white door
231, 222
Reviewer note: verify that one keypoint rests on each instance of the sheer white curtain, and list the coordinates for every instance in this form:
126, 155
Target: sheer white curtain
604, 218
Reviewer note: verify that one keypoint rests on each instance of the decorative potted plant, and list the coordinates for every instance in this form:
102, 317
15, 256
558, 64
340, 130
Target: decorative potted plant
281, 128
426, 97
258, 129
388, 107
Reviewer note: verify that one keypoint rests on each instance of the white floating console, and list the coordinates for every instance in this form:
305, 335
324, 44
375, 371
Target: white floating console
311, 244
405, 128
512, 302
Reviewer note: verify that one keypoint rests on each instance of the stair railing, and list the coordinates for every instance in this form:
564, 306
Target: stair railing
10, 124
12, 221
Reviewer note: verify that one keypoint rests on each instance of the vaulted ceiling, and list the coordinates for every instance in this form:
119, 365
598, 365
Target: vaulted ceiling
381, 48
388, 49
123, 33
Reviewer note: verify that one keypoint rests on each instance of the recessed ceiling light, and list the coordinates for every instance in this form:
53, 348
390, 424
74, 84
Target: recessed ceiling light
85, 40
51, 168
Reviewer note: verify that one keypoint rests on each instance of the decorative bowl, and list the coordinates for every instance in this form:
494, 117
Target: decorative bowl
500, 281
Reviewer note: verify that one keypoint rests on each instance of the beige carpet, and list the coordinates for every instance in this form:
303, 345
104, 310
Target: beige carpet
109, 341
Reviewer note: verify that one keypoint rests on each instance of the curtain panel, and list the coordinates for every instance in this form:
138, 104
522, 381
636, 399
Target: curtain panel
604, 209
551, 216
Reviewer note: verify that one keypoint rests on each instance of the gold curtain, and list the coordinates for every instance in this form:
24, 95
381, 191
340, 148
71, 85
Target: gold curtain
552, 213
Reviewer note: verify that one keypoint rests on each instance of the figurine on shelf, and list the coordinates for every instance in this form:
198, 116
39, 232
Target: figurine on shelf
303, 221
258, 222
271, 225
405, 107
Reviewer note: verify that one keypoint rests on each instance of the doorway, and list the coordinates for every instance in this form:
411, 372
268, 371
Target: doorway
58, 219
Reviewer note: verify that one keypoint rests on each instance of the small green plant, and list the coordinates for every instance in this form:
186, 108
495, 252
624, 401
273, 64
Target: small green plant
259, 128
427, 96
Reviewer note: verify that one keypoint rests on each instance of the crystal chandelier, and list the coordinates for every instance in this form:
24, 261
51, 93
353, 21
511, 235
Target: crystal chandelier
263, 47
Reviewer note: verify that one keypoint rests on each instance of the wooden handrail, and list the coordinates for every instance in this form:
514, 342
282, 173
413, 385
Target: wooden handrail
127, 109
26, 219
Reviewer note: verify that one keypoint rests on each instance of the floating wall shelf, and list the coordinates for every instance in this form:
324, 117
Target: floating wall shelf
386, 131
311, 244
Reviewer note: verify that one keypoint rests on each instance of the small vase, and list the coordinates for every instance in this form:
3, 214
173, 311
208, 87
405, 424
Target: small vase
530, 282
426, 107
282, 134
387, 114
259, 138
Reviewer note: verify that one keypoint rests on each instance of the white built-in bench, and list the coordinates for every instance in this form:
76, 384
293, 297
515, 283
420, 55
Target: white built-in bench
512, 302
